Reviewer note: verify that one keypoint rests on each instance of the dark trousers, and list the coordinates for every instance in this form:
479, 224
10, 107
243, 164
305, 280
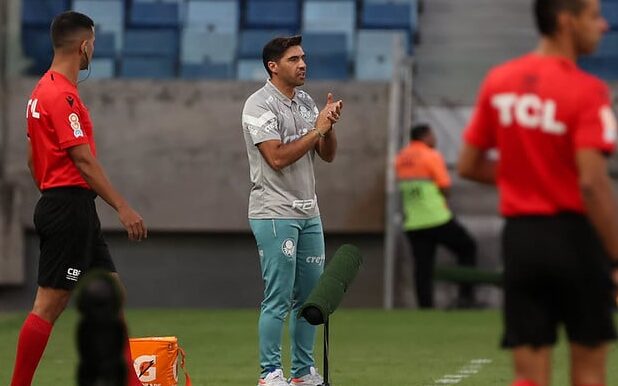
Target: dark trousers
424, 242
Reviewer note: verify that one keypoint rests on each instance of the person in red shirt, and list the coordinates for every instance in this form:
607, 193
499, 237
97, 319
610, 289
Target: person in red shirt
62, 160
553, 127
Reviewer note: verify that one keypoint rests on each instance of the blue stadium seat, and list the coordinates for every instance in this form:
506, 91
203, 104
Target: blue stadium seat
609, 45
252, 42
251, 69
207, 70
36, 43
375, 53
101, 69
273, 14
105, 45
154, 15
102, 12
147, 67
326, 16
610, 11
37, 47
198, 45
604, 67
387, 16
42, 12
219, 16
333, 66
324, 43
151, 42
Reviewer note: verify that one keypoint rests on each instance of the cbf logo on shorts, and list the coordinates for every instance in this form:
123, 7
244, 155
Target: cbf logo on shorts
288, 247
73, 274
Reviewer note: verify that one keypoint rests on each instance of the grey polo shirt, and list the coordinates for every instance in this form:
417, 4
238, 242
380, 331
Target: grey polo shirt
290, 192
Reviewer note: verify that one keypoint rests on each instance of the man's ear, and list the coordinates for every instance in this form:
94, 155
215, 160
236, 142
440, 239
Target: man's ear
272, 66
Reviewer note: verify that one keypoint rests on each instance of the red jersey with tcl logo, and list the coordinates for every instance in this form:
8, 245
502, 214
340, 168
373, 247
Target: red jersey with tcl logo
538, 111
57, 120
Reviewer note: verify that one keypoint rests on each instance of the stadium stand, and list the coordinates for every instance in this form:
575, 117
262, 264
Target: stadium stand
222, 39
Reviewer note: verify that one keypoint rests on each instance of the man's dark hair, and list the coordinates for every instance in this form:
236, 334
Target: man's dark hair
546, 13
419, 131
274, 49
66, 25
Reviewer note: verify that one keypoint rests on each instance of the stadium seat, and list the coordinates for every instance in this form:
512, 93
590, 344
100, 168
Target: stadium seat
151, 42
105, 46
102, 12
101, 69
147, 67
609, 45
154, 15
324, 43
207, 70
42, 12
332, 66
251, 69
387, 16
198, 45
37, 47
327, 57
217, 16
375, 53
610, 11
252, 42
604, 67
326, 16
273, 14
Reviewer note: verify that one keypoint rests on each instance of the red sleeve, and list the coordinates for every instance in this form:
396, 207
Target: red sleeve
66, 117
596, 126
481, 130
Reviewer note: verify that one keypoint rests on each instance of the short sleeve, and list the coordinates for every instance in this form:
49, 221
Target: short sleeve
439, 171
481, 130
596, 126
261, 123
66, 120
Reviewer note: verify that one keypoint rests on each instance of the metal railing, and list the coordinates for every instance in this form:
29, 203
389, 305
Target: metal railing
399, 120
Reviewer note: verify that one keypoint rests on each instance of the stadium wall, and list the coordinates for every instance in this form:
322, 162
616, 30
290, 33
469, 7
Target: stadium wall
175, 150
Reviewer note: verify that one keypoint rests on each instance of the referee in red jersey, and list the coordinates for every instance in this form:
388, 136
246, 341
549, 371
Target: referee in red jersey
62, 160
553, 127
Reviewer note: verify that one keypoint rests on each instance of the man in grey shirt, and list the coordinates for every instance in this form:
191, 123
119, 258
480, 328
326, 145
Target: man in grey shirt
283, 131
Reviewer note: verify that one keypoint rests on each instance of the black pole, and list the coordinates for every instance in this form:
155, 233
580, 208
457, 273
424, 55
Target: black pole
326, 383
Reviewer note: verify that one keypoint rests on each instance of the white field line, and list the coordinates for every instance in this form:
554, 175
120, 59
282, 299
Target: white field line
471, 368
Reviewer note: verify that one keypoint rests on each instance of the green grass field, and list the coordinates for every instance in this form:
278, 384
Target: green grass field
368, 347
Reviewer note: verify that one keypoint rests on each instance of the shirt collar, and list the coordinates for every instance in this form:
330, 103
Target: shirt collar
283, 98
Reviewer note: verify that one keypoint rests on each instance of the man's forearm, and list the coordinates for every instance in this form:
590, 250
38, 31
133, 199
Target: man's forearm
283, 155
95, 176
327, 146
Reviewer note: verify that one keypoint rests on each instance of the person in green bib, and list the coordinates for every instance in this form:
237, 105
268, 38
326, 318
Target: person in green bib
424, 184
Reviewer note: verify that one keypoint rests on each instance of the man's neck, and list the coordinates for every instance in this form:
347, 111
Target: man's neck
283, 87
67, 67
555, 46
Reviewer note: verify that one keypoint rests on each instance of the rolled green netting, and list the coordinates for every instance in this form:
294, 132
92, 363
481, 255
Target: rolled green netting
334, 282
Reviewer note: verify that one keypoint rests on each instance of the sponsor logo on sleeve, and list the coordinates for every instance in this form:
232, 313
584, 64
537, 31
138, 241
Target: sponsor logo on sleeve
75, 125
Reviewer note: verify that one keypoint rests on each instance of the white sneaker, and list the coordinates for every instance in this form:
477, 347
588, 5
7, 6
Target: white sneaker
311, 379
274, 378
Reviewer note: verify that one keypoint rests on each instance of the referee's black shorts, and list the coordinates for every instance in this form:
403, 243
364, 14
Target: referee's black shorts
556, 273
70, 235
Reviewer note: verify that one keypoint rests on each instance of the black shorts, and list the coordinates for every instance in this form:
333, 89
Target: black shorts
70, 235
556, 272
